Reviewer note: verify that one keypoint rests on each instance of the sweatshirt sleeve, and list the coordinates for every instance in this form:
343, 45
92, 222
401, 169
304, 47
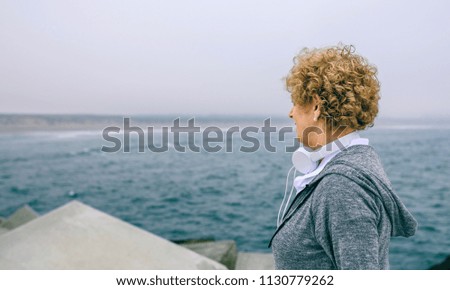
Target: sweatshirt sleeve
345, 219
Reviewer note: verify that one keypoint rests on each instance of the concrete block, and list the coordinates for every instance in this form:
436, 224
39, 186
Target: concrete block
255, 261
76, 236
20, 217
224, 252
3, 230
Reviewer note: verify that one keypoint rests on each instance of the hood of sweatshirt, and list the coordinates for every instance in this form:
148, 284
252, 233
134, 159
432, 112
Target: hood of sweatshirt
361, 164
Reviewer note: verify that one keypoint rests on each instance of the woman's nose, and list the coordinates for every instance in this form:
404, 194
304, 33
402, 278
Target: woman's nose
290, 113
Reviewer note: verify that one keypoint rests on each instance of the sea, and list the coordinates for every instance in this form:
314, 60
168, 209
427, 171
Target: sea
231, 189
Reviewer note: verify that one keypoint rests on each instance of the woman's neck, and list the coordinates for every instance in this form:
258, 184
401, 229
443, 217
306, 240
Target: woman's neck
330, 136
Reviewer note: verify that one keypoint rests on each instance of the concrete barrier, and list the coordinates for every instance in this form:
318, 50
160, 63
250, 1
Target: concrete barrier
224, 252
3, 230
254, 261
19, 217
76, 236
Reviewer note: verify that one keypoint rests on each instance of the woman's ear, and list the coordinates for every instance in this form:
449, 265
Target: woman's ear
316, 108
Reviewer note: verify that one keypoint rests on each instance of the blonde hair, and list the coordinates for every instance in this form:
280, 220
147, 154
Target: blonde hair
343, 81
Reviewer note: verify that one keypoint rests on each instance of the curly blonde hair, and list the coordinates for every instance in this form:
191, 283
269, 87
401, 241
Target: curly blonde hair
344, 82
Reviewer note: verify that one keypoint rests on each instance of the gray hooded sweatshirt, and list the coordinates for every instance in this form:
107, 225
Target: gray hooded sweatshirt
344, 218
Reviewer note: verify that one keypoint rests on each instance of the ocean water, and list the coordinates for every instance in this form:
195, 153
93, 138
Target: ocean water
223, 195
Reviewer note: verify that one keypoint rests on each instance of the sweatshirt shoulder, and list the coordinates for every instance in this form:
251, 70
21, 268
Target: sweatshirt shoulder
358, 160
361, 169
338, 188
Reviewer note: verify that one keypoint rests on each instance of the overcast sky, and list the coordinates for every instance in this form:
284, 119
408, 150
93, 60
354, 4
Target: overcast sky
211, 57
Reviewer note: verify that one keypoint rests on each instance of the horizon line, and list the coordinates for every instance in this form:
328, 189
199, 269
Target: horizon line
202, 115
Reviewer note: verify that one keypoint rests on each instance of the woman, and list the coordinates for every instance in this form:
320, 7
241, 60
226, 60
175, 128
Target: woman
345, 210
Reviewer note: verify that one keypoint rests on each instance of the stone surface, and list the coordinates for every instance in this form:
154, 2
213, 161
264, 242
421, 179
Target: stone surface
3, 230
20, 217
224, 252
255, 261
76, 236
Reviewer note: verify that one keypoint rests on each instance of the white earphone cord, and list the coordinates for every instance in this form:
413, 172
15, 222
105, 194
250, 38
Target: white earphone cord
280, 217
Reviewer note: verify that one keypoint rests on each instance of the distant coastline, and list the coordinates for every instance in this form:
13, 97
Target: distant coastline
11, 123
